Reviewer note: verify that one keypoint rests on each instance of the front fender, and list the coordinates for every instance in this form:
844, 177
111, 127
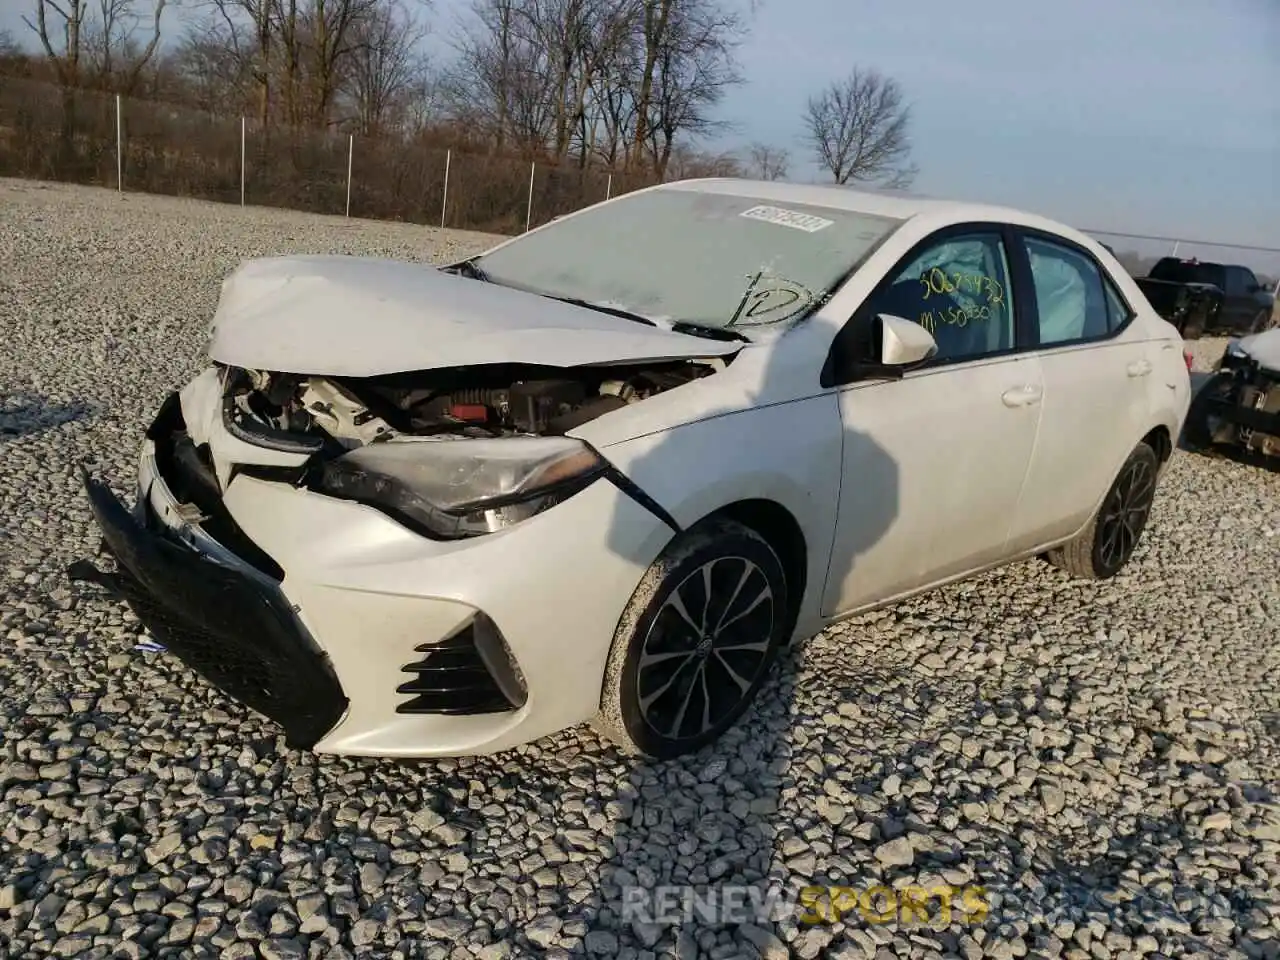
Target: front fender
788, 453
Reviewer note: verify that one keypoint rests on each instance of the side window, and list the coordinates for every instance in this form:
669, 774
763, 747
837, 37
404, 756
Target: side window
1234, 282
958, 290
1070, 299
1118, 312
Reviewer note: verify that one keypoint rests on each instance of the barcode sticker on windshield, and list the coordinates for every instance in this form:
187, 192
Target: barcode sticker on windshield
787, 218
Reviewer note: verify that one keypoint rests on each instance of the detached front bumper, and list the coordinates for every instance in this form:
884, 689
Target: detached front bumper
1239, 407
227, 625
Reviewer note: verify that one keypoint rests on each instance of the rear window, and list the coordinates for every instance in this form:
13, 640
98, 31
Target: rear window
1188, 271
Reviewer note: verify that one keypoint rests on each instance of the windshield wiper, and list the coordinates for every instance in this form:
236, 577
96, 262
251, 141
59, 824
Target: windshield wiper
708, 331
604, 308
467, 268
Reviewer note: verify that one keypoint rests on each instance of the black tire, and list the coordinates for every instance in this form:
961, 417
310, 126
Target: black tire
1103, 548
686, 667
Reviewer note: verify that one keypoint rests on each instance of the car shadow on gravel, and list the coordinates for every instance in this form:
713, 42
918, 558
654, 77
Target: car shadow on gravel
23, 413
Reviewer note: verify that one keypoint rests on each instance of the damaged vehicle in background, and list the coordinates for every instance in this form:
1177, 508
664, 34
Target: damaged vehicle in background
1238, 410
608, 469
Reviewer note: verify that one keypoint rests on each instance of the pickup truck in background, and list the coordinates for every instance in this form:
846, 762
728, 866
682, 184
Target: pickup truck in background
1200, 298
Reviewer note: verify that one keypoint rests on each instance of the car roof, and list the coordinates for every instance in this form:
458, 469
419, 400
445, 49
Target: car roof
899, 206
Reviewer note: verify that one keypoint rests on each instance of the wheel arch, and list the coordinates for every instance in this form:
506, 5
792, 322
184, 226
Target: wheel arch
783, 532
1160, 440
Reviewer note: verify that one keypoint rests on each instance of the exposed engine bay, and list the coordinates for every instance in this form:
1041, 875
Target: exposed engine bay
483, 402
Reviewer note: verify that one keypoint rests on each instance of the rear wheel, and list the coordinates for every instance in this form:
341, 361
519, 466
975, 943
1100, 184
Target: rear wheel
1103, 548
695, 643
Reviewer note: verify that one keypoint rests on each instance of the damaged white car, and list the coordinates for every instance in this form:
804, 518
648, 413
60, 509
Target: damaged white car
606, 470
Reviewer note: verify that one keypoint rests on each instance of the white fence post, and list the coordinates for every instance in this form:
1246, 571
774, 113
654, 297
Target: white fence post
1175, 248
608, 188
242, 138
119, 147
351, 150
444, 201
528, 213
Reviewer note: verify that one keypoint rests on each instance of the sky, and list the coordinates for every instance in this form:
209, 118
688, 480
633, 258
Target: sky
1138, 116
1104, 113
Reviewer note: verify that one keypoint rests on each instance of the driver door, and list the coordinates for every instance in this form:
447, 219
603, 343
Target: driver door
933, 464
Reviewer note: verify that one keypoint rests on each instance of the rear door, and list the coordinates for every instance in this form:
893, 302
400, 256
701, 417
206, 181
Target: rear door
1097, 370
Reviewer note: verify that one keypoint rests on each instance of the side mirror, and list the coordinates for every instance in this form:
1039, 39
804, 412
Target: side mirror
903, 343
882, 349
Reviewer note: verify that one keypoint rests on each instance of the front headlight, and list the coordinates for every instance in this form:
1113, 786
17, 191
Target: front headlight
463, 487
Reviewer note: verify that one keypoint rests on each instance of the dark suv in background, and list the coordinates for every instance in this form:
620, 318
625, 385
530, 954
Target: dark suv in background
1200, 298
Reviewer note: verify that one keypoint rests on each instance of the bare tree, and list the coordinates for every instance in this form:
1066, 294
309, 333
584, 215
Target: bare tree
857, 128
331, 23
768, 162
694, 67
12, 59
385, 67
116, 57
219, 75
65, 44
499, 85
686, 164
248, 28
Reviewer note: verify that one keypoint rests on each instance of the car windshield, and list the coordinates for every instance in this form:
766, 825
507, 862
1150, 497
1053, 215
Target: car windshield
684, 256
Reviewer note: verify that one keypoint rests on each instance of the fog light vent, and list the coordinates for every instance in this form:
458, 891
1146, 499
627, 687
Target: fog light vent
471, 672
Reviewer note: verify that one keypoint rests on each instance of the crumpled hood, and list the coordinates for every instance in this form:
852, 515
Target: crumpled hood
360, 317
1263, 347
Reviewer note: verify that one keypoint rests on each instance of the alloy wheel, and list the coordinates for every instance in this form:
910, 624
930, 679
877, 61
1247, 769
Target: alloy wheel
1124, 515
705, 648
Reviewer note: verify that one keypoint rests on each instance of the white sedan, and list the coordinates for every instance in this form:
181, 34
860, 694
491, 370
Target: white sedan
606, 470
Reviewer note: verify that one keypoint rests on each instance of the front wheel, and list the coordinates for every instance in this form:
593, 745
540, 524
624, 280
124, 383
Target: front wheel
695, 643
1107, 543
1263, 321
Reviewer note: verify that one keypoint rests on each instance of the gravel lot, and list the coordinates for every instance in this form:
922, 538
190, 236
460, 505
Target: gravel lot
1103, 759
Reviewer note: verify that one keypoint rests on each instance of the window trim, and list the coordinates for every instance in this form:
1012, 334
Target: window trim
1129, 312
861, 315
1033, 305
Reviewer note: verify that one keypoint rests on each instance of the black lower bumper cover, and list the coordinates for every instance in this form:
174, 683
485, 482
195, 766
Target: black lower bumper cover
237, 634
1259, 420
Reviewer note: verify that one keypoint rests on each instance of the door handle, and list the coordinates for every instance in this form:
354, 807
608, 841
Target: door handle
1139, 368
1023, 396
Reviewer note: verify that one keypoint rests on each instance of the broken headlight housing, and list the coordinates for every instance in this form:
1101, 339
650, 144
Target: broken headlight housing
463, 487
